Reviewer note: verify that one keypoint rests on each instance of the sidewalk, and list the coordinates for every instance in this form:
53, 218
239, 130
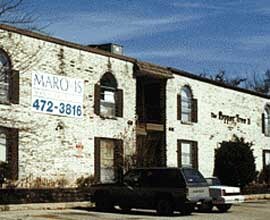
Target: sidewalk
70, 205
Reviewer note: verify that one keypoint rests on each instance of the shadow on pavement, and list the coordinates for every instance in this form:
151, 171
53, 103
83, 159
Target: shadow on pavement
132, 212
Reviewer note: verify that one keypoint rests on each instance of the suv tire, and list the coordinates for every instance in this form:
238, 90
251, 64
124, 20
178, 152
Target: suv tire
187, 209
224, 208
124, 208
164, 207
103, 202
205, 207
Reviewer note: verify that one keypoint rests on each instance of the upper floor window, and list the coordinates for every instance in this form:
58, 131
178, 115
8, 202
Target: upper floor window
266, 120
187, 106
4, 76
108, 98
9, 80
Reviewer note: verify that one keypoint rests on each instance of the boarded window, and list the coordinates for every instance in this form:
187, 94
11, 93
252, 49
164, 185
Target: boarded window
108, 159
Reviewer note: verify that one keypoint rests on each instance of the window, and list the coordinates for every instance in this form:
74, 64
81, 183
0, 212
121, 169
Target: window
187, 106
266, 158
108, 159
9, 150
9, 80
3, 146
108, 99
266, 121
4, 77
187, 152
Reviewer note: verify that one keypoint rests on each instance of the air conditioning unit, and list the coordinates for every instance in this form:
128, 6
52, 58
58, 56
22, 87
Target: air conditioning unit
110, 47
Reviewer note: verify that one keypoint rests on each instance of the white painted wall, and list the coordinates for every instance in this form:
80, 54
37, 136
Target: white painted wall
209, 132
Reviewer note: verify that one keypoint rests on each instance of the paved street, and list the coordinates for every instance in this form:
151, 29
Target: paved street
247, 211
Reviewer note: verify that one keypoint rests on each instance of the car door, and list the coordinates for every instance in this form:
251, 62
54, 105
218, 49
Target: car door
129, 192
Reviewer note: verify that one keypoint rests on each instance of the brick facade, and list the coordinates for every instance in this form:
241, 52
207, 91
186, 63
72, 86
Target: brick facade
47, 143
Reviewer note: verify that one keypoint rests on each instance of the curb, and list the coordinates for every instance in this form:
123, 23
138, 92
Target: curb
256, 197
44, 206
70, 205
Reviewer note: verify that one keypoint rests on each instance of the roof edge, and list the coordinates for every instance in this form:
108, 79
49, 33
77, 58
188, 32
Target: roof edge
63, 42
216, 83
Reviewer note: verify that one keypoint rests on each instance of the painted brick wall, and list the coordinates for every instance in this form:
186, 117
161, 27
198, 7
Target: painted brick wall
209, 132
44, 150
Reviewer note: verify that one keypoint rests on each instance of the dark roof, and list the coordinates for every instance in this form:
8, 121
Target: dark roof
143, 67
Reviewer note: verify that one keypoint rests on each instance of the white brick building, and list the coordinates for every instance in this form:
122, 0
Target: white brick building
68, 110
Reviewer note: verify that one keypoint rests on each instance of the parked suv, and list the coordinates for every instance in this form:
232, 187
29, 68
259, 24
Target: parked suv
164, 189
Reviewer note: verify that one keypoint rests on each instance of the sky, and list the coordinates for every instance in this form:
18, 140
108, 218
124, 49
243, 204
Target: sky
199, 36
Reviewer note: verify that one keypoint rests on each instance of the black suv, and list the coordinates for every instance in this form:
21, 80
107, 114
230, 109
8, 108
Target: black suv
164, 189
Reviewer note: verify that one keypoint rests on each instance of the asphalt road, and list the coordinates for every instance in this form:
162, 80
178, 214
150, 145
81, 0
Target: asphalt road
247, 211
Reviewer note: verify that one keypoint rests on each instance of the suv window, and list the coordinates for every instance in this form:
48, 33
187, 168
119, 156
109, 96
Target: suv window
213, 181
193, 176
163, 178
132, 177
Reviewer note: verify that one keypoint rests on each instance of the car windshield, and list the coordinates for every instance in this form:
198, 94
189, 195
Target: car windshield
194, 176
213, 181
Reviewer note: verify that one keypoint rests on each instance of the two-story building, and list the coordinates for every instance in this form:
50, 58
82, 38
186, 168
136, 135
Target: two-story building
68, 110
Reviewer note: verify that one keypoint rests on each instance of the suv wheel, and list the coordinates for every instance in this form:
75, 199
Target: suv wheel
125, 208
205, 207
187, 209
103, 203
224, 208
164, 207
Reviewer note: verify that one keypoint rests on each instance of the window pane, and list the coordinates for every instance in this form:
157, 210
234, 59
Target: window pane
3, 149
267, 158
3, 91
267, 121
107, 160
186, 104
4, 67
186, 155
107, 102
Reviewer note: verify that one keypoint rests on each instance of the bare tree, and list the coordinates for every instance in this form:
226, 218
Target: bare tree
222, 78
17, 13
259, 82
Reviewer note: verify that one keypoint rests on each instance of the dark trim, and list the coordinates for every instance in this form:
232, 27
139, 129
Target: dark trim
213, 82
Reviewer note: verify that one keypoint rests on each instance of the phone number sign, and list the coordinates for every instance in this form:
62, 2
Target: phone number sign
58, 95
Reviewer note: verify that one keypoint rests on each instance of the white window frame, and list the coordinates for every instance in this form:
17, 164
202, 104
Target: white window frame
186, 104
3, 146
267, 120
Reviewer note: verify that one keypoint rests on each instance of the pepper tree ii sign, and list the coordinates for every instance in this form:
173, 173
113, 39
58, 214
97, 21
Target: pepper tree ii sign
58, 95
